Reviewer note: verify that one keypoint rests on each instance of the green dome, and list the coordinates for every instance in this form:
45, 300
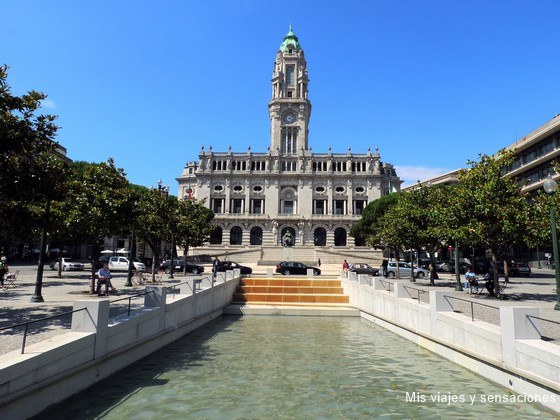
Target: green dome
290, 39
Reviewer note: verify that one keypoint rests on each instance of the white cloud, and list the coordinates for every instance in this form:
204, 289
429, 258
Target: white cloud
47, 103
412, 174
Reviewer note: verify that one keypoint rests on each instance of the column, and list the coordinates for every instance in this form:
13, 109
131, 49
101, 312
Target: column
94, 318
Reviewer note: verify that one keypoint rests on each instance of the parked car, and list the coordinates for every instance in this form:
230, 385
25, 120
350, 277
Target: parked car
515, 268
404, 270
363, 268
179, 265
521, 269
121, 264
67, 265
292, 267
449, 267
230, 265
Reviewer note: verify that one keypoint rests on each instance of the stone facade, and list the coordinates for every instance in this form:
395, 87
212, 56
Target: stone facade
287, 196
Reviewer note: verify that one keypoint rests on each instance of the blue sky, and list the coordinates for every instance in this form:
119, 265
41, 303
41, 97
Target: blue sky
431, 83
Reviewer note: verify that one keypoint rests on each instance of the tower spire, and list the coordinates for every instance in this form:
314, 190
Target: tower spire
290, 42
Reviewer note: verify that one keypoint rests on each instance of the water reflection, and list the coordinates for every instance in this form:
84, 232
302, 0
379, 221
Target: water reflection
289, 367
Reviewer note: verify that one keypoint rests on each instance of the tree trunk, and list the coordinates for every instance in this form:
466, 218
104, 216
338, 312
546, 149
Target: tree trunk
94, 264
433, 272
496, 275
155, 259
185, 252
59, 259
506, 270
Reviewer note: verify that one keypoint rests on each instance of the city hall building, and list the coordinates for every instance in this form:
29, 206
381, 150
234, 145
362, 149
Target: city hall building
287, 202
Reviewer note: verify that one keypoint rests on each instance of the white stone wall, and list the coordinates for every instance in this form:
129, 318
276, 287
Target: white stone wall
52, 370
512, 354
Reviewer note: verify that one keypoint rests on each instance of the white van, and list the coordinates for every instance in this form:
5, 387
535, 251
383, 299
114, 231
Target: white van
121, 264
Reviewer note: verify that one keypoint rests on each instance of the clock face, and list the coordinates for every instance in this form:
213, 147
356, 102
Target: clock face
289, 118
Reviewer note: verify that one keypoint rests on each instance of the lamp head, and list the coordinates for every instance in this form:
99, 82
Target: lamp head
550, 186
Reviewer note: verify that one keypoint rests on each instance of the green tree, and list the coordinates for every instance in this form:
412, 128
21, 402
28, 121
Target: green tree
156, 220
393, 230
540, 226
423, 209
33, 172
101, 205
489, 209
194, 225
369, 222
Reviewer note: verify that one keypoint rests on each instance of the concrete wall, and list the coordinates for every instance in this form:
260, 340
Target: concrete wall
511, 354
97, 346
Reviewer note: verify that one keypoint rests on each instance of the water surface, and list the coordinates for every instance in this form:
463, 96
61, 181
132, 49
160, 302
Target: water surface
261, 367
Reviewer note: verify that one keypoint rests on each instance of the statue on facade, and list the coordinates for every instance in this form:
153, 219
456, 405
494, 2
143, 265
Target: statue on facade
287, 239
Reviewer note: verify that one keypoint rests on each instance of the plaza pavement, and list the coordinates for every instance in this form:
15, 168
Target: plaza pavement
59, 294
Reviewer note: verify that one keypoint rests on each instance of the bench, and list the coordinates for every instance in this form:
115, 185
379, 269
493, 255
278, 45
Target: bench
10, 280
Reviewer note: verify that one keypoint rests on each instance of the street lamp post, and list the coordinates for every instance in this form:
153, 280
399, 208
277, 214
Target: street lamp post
37, 296
458, 286
550, 186
412, 279
131, 256
164, 190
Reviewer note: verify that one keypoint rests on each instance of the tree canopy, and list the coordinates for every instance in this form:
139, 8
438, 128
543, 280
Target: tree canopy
33, 172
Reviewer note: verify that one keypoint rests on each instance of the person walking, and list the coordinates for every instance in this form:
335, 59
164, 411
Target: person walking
345, 267
384, 266
215, 265
318, 262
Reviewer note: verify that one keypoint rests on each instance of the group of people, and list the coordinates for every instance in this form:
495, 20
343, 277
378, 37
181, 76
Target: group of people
472, 283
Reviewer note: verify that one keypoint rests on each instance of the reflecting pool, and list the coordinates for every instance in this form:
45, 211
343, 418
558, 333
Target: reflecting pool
292, 367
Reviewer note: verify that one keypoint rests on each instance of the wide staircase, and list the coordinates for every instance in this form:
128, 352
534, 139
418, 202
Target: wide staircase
290, 290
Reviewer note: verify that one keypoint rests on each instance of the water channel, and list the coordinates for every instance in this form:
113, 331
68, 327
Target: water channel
292, 367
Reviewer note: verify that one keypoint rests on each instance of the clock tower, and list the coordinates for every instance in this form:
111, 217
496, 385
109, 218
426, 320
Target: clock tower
289, 108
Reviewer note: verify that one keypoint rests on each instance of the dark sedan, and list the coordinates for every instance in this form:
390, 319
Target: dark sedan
179, 265
363, 268
292, 267
230, 265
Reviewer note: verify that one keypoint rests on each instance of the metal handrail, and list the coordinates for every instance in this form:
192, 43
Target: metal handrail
541, 319
415, 288
383, 284
27, 323
469, 301
130, 299
178, 284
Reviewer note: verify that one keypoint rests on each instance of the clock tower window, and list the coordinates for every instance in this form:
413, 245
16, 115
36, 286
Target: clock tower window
290, 79
289, 140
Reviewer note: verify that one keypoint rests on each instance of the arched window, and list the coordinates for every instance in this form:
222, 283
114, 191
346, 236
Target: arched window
216, 236
359, 242
320, 237
256, 236
290, 79
340, 237
236, 236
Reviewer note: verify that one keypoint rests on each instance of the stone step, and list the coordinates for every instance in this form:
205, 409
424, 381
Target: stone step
289, 282
323, 290
277, 298
292, 309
